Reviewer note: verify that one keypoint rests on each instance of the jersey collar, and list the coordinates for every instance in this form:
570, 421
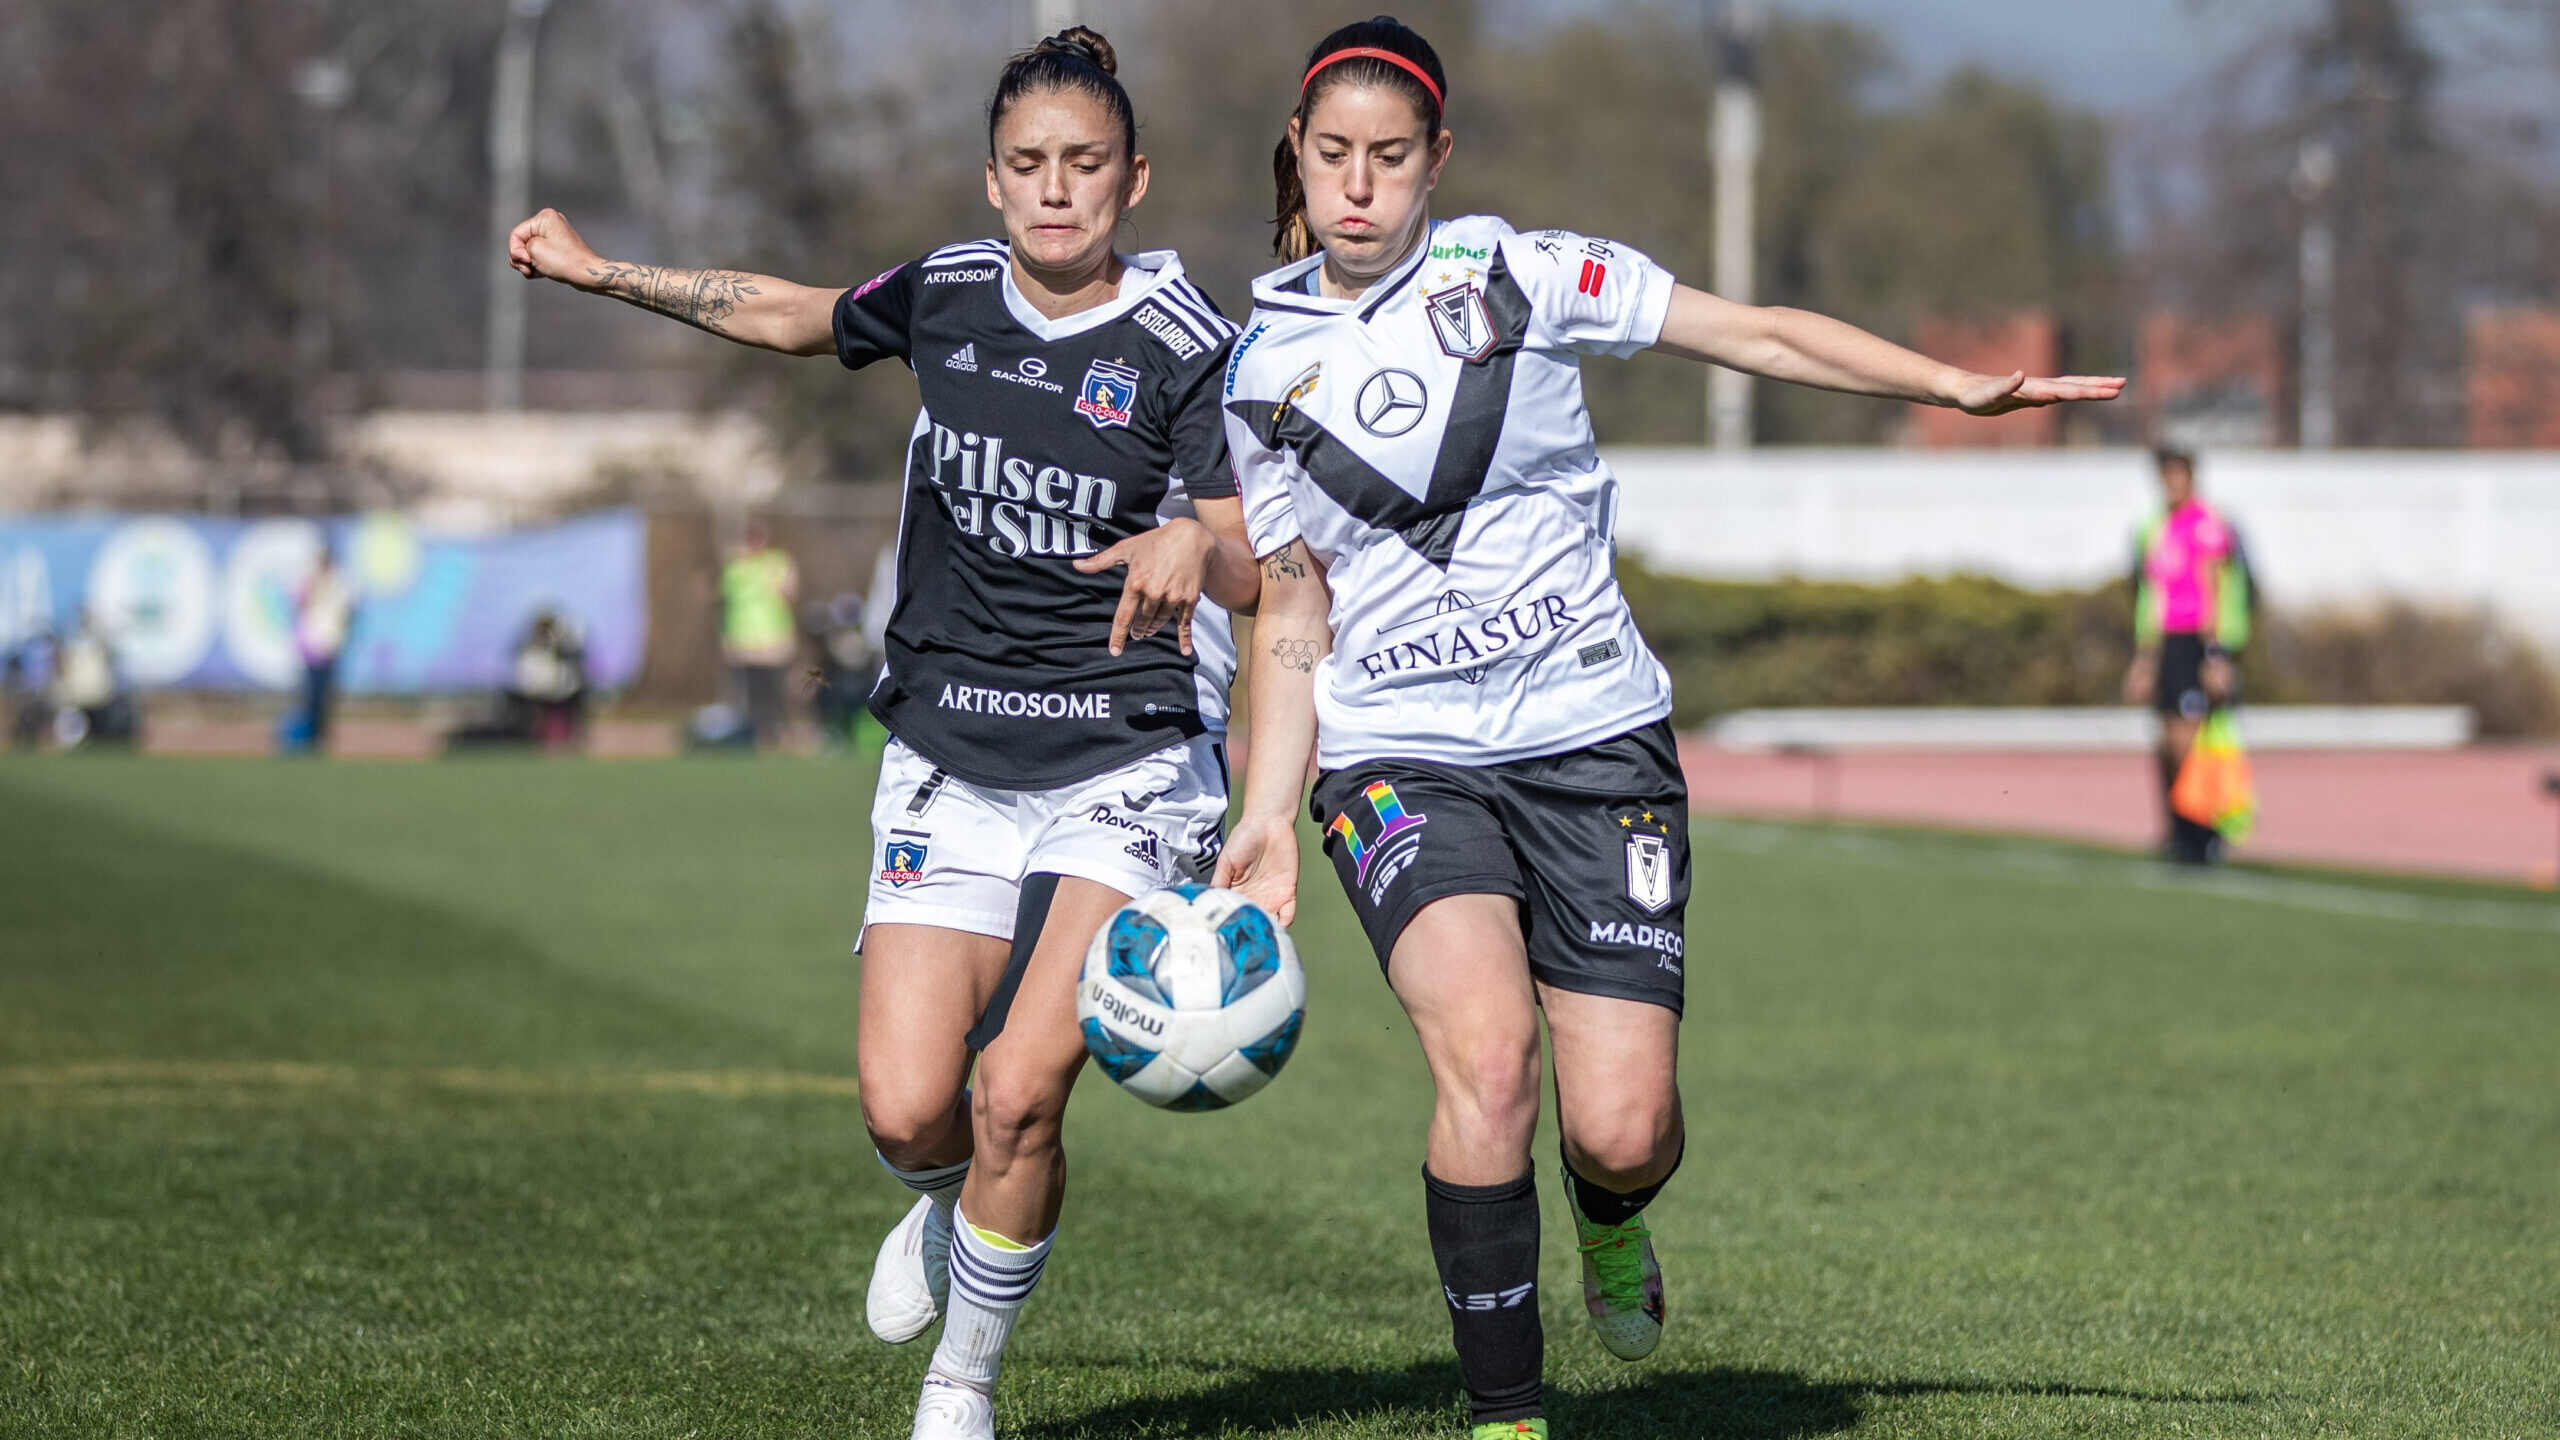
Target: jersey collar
1279, 290
1148, 272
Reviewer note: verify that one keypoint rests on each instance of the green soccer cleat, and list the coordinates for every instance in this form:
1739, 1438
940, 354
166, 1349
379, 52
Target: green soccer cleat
1621, 1284
1509, 1430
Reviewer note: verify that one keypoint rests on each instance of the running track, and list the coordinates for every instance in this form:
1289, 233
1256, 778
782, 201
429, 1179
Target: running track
2478, 813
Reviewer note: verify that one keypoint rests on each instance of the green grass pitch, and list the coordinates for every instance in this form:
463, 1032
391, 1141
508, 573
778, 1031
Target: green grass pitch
513, 1098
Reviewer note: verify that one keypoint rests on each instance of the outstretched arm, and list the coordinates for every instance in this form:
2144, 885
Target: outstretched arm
754, 310
1803, 348
1291, 633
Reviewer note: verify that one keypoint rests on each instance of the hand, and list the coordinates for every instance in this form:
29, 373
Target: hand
2000, 394
547, 247
2139, 678
1261, 859
2218, 676
1167, 566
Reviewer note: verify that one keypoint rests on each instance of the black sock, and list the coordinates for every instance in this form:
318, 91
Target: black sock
1608, 1207
1485, 1240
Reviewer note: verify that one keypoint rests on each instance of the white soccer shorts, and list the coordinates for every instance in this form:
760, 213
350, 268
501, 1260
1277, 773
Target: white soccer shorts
948, 853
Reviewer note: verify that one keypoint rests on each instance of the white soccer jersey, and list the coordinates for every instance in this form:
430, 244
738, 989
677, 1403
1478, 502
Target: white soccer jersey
1429, 443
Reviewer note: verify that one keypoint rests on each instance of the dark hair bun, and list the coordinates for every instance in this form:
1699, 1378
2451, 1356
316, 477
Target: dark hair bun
1086, 44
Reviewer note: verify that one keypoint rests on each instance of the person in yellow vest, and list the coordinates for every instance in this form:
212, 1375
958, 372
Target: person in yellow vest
757, 635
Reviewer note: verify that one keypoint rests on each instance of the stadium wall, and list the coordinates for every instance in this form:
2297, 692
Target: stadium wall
2336, 528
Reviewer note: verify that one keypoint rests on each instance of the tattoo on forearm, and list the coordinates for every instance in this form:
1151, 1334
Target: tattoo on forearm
1298, 655
702, 298
1283, 565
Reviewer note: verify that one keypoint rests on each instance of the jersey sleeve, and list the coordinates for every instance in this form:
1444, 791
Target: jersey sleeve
875, 318
1198, 433
1596, 297
1262, 478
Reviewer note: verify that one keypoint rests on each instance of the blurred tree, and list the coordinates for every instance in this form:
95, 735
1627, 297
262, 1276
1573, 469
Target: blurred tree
828, 187
190, 177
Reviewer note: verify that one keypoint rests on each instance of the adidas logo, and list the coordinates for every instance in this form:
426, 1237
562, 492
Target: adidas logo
965, 358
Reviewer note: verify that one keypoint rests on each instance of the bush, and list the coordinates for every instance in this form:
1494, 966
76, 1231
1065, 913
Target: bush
2400, 654
1971, 641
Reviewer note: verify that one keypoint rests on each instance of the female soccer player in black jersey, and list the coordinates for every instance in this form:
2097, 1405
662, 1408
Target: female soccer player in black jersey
1057, 729
1498, 784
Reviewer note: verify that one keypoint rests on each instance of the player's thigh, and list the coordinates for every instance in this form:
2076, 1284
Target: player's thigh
946, 880
1617, 1065
923, 986
1462, 974
1030, 1066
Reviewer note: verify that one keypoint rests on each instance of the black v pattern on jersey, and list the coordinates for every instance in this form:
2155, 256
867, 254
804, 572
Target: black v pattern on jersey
1042, 441
1431, 523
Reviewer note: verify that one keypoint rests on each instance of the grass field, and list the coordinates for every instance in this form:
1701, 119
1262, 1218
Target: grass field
513, 1098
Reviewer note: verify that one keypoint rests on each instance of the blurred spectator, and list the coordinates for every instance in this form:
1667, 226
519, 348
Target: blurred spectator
87, 695
323, 613
848, 662
547, 695
757, 633
545, 702
22, 692
2193, 605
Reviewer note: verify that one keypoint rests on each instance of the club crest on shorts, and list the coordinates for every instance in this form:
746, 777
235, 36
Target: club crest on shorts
1460, 321
1109, 393
902, 859
1649, 872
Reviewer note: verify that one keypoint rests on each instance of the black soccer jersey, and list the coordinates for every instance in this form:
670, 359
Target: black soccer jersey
1040, 441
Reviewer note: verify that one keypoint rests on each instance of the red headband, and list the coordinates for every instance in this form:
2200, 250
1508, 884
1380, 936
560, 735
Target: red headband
1369, 52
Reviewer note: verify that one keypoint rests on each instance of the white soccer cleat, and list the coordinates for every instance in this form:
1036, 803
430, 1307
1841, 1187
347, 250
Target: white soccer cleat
912, 1277
948, 1411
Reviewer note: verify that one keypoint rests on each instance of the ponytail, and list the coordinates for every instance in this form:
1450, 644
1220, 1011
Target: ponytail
1374, 52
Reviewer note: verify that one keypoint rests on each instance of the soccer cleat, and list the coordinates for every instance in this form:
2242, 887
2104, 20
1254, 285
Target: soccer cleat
1621, 1284
948, 1410
912, 1277
1509, 1430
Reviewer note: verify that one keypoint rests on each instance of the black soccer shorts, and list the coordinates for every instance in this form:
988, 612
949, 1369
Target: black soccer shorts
2178, 688
1593, 844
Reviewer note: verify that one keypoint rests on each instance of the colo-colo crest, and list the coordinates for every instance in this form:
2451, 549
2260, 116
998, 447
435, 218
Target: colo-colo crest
1109, 393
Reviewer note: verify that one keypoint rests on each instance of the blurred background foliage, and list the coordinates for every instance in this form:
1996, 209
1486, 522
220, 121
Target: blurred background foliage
1737, 645
247, 218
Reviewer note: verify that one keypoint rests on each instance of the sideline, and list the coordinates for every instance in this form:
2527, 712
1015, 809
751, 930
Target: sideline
151, 1079
1998, 858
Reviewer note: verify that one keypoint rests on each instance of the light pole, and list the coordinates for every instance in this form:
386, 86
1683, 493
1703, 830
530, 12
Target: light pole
1734, 140
2315, 172
510, 194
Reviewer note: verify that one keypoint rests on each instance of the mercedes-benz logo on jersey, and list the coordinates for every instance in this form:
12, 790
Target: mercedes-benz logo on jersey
1392, 403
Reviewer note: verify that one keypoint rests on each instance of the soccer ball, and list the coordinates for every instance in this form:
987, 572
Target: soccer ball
1191, 998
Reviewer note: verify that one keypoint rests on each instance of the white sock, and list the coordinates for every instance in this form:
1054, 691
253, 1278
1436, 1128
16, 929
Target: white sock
941, 1185
989, 1282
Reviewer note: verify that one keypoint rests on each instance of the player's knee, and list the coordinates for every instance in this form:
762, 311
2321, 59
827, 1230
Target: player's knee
1014, 1117
1627, 1144
1497, 1084
908, 1127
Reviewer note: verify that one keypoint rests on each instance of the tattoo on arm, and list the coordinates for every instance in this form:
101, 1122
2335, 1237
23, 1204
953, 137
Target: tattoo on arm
701, 298
1298, 655
1283, 565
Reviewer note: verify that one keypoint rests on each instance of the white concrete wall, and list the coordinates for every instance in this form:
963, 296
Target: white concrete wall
2334, 528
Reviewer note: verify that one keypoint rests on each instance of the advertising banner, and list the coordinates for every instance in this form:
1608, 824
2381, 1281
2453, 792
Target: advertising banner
192, 603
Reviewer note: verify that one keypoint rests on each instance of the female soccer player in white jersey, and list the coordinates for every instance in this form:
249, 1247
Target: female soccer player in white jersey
1498, 785
1058, 731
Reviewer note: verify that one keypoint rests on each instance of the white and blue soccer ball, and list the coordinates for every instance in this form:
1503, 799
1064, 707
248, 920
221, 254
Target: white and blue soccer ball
1191, 998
